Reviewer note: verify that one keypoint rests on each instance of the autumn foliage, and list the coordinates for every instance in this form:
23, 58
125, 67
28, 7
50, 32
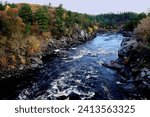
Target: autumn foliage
142, 31
26, 30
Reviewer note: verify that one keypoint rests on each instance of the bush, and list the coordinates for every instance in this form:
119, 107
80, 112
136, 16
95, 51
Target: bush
10, 24
142, 31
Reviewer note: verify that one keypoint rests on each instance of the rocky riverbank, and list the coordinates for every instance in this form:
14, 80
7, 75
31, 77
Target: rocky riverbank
52, 46
133, 64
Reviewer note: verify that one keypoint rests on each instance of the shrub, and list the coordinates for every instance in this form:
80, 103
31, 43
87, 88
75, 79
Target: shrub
10, 24
142, 31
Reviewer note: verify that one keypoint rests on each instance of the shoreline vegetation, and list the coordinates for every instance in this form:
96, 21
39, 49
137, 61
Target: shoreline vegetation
29, 32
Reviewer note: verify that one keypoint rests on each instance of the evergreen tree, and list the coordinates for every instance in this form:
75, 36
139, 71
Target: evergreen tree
60, 23
2, 7
41, 16
26, 14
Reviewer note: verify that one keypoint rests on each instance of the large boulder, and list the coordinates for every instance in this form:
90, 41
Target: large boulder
127, 45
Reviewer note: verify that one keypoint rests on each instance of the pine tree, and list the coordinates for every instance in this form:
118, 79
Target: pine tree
41, 16
26, 14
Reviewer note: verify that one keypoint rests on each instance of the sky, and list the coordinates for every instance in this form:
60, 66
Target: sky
95, 6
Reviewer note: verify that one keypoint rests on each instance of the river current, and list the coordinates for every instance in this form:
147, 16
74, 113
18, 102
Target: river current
74, 74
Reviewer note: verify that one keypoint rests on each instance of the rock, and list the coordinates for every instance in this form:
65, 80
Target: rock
36, 60
134, 56
82, 34
113, 65
127, 33
63, 97
145, 86
74, 96
130, 87
144, 74
63, 41
34, 65
127, 46
21, 67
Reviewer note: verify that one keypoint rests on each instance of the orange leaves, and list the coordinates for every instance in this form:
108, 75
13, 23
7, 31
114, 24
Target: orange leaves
3, 61
8, 62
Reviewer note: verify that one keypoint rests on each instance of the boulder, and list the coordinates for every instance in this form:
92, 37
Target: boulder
113, 65
127, 45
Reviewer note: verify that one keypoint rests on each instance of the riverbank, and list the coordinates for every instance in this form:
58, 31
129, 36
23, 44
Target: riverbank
51, 46
77, 74
133, 64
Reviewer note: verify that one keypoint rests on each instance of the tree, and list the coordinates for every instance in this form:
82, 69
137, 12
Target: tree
41, 16
2, 7
141, 16
60, 23
26, 14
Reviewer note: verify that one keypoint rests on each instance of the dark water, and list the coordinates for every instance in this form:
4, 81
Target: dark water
75, 74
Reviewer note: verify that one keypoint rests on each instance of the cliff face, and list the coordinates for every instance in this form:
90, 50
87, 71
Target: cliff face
29, 55
134, 57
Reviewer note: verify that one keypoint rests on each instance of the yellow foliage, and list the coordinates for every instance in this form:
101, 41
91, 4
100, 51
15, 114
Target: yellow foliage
95, 27
34, 45
7, 8
3, 61
22, 59
34, 7
90, 30
46, 34
142, 31
13, 57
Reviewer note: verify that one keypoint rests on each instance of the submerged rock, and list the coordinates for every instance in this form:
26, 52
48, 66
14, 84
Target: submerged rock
113, 65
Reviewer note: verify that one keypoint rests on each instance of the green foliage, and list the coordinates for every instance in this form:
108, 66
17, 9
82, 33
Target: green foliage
132, 24
26, 14
141, 16
60, 22
41, 16
69, 19
60, 12
2, 7
28, 29
112, 20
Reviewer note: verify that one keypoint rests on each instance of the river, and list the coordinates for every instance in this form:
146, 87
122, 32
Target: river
76, 73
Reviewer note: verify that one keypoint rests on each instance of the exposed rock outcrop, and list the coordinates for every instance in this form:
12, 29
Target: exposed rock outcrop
134, 64
30, 62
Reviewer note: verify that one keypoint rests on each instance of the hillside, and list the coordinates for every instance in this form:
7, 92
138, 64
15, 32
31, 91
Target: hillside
30, 31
